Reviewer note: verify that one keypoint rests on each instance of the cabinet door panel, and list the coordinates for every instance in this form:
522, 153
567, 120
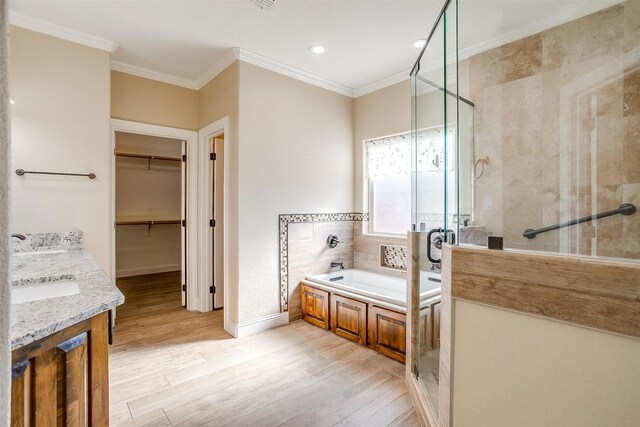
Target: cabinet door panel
315, 306
349, 318
387, 332
63, 379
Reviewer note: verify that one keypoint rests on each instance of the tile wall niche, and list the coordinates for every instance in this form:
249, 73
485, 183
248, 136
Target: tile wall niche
558, 115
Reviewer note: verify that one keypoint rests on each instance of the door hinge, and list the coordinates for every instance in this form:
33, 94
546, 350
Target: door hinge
213, 156
212, 289
184, 157
184, 287
184, 222
212, 223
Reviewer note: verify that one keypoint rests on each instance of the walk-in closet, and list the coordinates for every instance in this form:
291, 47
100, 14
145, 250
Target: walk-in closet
150, 212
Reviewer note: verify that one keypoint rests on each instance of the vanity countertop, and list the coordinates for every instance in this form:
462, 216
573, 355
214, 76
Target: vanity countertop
34, 320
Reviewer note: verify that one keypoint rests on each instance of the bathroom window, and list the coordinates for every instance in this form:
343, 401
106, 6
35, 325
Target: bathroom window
388, 173
388, 178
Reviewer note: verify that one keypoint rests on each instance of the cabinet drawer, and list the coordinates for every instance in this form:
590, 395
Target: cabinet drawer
315, 306
349, 318
387, 332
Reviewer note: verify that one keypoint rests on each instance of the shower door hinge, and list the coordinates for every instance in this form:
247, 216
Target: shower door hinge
184, 287
213, 156
212, 223
184, 157
212, 289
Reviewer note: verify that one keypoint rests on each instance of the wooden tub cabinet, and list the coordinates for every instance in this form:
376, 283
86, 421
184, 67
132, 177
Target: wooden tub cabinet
348, 318
365, 322
63, 379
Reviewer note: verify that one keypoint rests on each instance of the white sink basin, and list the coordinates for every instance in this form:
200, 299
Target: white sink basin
56, 251
21, 294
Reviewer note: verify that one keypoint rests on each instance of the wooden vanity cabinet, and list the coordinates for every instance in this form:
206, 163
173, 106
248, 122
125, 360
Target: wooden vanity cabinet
387, 332
315, 306
349, 318
63, 379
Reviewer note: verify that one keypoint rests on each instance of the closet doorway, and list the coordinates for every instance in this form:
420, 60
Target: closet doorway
150, 216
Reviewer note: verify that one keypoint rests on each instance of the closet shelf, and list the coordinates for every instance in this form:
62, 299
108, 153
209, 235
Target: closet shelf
148, 223
147, 156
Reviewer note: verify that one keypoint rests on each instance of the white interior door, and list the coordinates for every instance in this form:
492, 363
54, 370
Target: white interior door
217, 177
183, 227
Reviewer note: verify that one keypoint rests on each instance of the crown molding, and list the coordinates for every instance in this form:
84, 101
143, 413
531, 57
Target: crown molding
382, 83
61, 32
154, 75
295, 73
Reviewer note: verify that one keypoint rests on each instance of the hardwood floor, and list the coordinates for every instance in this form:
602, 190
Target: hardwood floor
171, 366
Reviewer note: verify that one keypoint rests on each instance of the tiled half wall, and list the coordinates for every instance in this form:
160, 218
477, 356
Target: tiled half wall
304, 251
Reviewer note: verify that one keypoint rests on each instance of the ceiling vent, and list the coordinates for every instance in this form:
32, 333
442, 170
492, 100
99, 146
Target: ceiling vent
264, 4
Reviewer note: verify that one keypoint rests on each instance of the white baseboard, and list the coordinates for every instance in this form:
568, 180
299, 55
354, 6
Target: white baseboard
128, 272
251, 327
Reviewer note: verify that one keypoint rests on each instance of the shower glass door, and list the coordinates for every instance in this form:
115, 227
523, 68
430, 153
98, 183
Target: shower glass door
442, 152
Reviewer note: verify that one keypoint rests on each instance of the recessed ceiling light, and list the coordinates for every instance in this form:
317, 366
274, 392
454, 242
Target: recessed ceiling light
317, 49
419, 43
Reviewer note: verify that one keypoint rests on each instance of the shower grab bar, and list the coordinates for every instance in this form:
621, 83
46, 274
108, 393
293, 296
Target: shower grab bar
21, 172
624, 209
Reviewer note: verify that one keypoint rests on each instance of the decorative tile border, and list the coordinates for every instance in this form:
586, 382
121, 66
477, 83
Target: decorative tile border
287, 219
394, 257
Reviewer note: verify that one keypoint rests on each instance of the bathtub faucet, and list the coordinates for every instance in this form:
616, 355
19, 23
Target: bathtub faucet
337, 264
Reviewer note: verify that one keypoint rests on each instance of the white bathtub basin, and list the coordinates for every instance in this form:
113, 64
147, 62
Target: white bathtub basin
22, 294
29, 253
389, 289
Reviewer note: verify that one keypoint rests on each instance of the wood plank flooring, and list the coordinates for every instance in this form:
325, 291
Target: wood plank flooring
169, 366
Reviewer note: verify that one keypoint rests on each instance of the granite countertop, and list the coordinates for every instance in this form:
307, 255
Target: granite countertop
66, 260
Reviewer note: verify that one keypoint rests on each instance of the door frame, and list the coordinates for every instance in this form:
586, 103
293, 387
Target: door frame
191, 138
205, 167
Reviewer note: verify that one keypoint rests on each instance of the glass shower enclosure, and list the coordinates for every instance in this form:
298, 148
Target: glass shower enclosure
526, 126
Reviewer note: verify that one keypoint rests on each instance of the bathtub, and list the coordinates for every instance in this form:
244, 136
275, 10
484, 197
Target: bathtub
377, 287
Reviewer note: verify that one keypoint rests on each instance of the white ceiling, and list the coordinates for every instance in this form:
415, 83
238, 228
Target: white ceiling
367, 41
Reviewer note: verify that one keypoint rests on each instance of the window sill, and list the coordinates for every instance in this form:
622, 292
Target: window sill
385, 236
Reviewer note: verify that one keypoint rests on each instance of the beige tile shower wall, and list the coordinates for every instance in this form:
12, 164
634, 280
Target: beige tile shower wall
549, 108
309, 254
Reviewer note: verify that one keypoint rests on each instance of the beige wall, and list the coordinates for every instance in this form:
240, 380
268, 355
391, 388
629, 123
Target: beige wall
217, 99
512, 369
149, 101
296, 151
60, 122
148, 195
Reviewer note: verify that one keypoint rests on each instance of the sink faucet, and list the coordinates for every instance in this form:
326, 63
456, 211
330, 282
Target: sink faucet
337, 264
19, 236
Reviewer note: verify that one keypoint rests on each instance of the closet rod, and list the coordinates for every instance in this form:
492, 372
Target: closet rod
146, 156
170, 221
